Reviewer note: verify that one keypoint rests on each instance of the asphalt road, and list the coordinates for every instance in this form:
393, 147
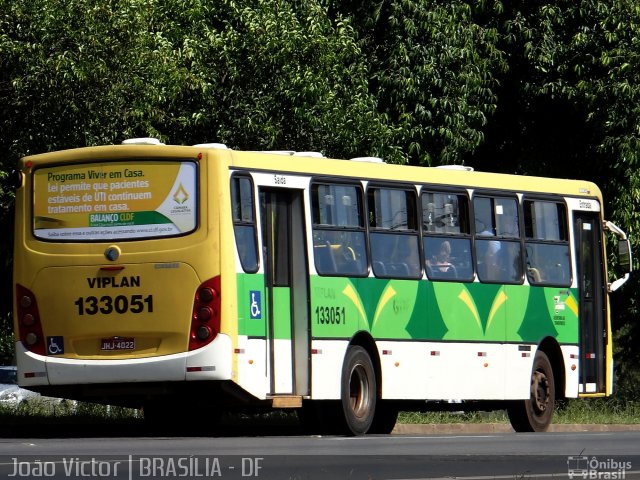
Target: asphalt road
501, 455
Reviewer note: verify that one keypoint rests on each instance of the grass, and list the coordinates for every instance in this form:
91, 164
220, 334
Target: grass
36, 410
498, 416
598, 410
582, 411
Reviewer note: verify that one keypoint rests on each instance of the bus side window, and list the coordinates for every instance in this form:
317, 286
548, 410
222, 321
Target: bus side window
446, 236
339, 246
244, 227
393, 222
547, 243
498, 244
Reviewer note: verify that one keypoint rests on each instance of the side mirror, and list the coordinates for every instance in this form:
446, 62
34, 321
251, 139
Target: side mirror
16, 177
624, 255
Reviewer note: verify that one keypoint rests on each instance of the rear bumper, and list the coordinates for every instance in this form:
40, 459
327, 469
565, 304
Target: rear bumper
212, 362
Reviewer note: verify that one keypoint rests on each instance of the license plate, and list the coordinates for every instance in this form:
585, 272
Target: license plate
118, 343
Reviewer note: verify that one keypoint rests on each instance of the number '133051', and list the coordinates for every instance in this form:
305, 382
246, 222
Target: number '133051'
121, 304
330, 315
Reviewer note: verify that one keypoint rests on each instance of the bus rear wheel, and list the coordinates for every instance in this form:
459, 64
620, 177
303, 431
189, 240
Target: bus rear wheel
535, 413
359, 391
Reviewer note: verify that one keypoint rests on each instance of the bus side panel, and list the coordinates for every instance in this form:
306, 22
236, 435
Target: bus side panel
442, 371
252, 352
252, 365
499, 327
326, 365
570, 354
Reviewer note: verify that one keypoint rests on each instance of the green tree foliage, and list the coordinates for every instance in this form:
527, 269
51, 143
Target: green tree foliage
434, 73
265, 75
571, 86
256, 74
81, 73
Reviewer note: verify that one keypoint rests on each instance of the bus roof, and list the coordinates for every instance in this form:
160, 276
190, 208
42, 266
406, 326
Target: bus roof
314, 165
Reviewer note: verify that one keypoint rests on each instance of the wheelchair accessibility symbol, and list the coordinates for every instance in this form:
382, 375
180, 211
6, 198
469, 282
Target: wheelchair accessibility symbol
55, 345
255, 308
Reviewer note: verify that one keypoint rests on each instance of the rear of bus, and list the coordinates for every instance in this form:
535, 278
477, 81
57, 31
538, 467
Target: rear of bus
117, 294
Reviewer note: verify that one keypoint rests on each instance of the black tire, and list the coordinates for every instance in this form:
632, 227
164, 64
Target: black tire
359, 391
535, 413
385, 418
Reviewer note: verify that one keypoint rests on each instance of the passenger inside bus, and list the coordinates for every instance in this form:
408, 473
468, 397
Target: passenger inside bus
440, 266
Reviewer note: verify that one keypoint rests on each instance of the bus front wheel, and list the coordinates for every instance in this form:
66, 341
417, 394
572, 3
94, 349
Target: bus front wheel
359, 391
535, 413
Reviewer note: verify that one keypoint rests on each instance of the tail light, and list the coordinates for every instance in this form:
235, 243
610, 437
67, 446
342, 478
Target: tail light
205, 317
29, 326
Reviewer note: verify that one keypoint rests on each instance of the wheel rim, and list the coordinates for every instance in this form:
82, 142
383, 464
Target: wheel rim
540, 392
359, 391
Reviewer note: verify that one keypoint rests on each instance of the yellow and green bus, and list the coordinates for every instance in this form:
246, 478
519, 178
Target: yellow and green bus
195, 280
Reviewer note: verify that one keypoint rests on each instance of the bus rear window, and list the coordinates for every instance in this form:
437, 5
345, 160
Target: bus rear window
114, 200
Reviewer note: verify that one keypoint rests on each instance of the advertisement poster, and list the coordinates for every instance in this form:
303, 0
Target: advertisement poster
114, 200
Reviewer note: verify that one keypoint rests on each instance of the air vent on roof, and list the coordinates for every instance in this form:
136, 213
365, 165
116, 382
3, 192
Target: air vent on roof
142, 141
367, 159
279, 152
308, 154
220, 146
462, 168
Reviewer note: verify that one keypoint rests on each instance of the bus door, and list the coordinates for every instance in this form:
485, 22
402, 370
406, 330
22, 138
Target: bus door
592, 306
286, 283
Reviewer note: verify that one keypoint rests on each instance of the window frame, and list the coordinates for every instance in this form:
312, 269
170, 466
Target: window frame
374, 231
494, 237
444, 236
566, 242
362, 228
242, 223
